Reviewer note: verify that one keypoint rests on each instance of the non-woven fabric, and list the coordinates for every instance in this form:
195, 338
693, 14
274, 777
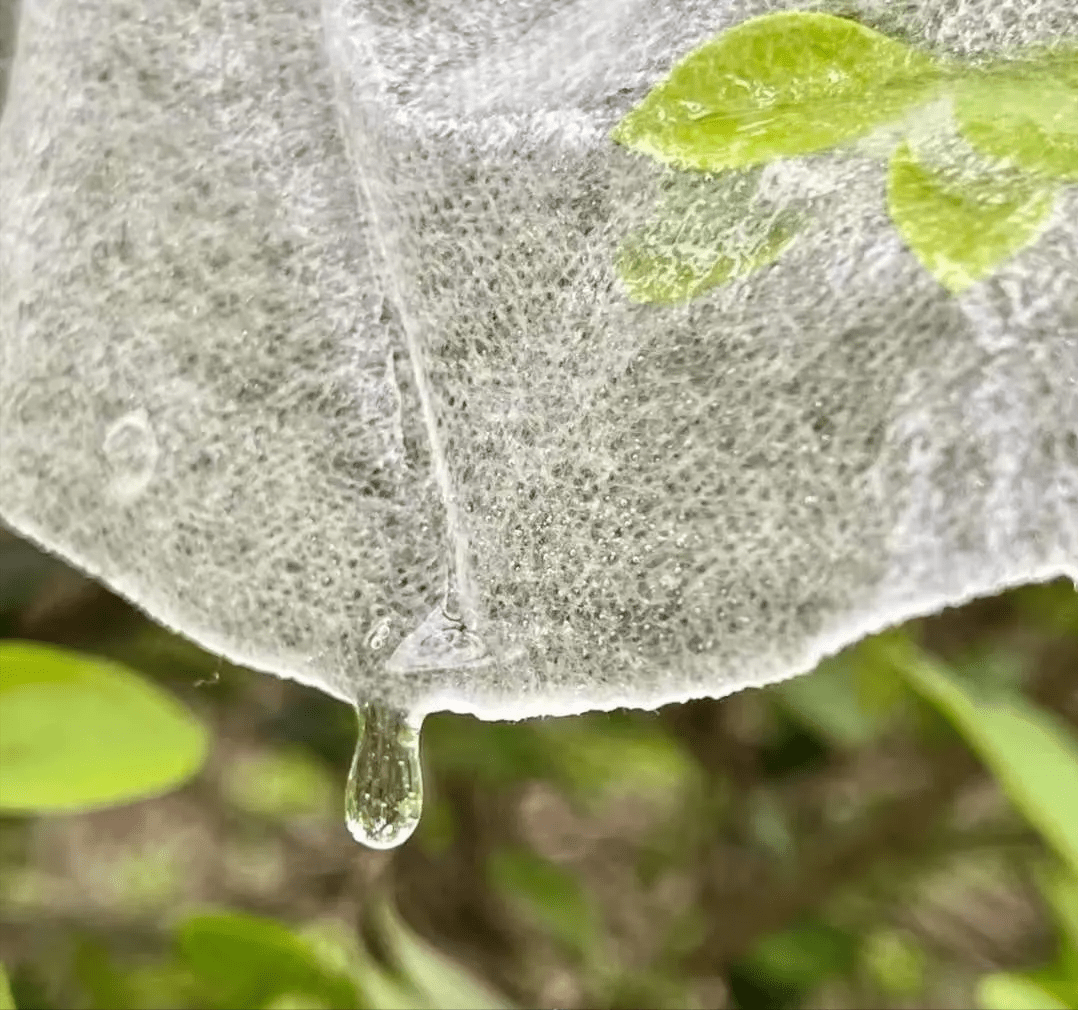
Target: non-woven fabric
314, 344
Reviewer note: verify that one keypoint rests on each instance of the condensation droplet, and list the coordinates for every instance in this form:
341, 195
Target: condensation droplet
131, 452
377, 638
441, 642
384, 798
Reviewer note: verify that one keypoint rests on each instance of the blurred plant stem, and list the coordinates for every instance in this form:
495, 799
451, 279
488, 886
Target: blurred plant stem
899, 830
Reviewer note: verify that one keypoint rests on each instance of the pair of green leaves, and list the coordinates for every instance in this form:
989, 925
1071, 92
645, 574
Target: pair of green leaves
78, 733
241, 960
224, 959
797, 83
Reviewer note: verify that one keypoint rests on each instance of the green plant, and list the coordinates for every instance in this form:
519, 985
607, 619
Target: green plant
78, 732
797, 83
1034, 757
861, 694
6, 1002
234, 959
856, 702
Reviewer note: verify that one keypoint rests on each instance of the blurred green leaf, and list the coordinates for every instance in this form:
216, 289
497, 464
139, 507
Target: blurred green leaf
159, 986
1032, 754
552, 898
338, 946
961, 236
1014, 992
490, 753
381, 992
1060, 889
895, 962
77, 732
1025, 111
880, 691
281, 783
827, 701
296, 1001
247, 961
655, 267
599, 755
780, 85
803, 956
1060, 980
105, 984
443, 983
7, 1001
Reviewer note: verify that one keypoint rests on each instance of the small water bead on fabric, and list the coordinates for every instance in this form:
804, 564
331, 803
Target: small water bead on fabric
379, 635
441, 642
131, 451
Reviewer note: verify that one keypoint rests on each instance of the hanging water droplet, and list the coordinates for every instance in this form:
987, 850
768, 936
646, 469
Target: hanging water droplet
385, 785
131, 450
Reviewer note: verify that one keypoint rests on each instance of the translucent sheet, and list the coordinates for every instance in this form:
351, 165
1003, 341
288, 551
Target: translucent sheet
402, 348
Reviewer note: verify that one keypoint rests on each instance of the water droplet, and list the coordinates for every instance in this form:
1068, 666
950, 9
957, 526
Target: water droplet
377, 638
131, 451
441, 642
384, 799
693, 110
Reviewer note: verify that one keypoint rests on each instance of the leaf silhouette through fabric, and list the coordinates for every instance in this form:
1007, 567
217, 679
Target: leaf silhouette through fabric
313, 345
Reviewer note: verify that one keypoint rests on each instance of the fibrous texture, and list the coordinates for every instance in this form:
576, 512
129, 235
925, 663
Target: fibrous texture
320, 319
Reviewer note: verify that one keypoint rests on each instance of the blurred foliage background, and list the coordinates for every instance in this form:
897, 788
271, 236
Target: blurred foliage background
897, 829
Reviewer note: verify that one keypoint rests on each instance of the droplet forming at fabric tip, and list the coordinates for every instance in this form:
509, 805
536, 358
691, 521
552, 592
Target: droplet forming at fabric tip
384, 798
